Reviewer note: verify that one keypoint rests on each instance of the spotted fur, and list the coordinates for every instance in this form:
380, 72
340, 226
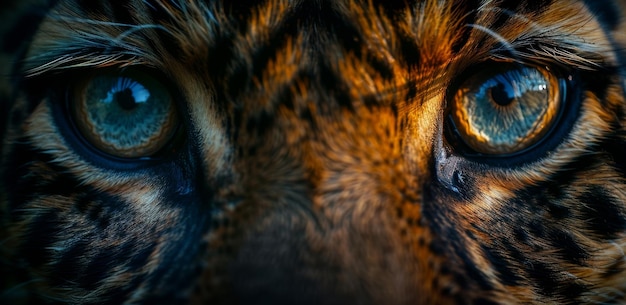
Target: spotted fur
314, 164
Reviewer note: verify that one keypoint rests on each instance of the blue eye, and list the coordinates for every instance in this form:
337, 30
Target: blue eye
505, 110
126, 115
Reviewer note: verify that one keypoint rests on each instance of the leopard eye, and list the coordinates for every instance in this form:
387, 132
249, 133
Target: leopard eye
505, 110
126, 115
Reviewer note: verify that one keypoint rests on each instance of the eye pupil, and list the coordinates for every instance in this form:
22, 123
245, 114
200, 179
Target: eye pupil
125, 99
500, 95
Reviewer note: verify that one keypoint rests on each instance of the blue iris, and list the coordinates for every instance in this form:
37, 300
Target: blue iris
127, 114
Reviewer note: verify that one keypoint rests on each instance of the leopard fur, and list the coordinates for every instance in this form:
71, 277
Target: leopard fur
315, 158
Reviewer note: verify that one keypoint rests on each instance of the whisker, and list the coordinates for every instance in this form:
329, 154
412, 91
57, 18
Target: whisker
137, 28
504, 42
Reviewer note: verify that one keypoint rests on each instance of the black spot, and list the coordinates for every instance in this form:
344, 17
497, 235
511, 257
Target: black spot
602, 213
43, 232
467, 10
472, 272
69, 267
501, 20
140, 256
104, 261
399, 212
323, 16
515, 253
450, 244
381, 66
506, 275
598, 82
87, 203
572, 290
482, 301
549, 204
411, 94
567, 177
543, 277
412, 221
395, 111
251, 151
435, 283
239, 79
536, 228
284, 97
615, 269
266, 52
447, 291
554, 190
557, 211
63, 184
410, 51
306, 115
83, 202
421, 241
568, 247
370, 101
96, 215
470, 234
99, 207
437, 248
443, 270
462, 281
261, 122
332, 83
614, 145
520, 234
219, 55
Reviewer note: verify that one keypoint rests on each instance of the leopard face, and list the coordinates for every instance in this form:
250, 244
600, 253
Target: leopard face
313, 152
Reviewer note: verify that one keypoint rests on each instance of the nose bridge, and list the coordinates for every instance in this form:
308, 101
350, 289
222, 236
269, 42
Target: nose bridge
331, 151
334, 188
358, 160
328, 187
